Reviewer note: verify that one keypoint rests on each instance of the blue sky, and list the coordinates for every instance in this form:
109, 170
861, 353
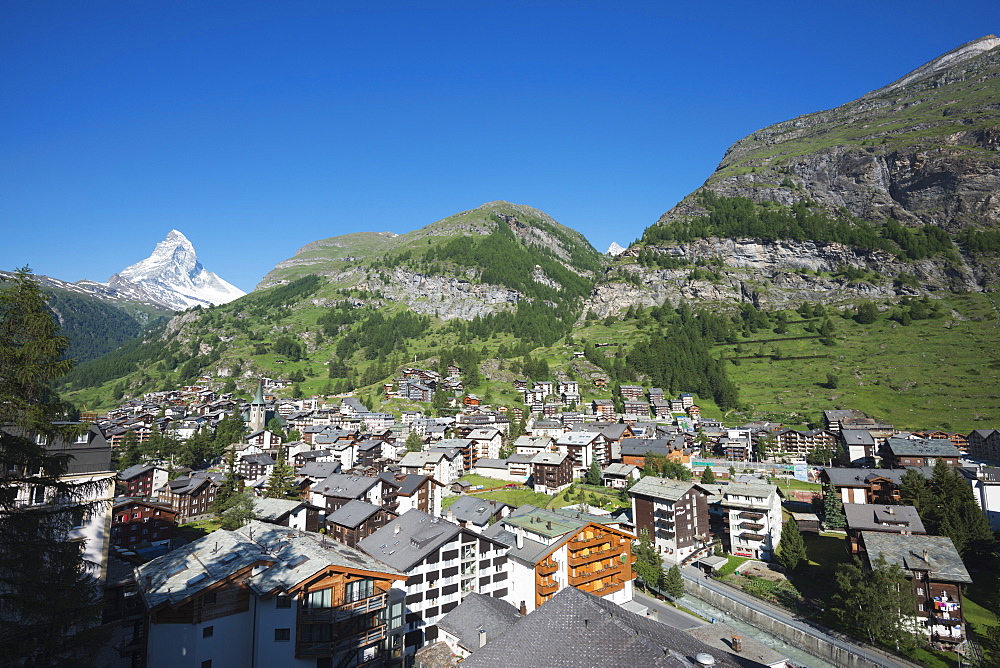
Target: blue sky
257, 127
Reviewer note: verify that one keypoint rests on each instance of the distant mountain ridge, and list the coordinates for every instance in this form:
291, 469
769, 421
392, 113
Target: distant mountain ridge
172, 277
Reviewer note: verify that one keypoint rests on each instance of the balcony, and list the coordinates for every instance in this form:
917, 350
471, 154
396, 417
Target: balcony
546, 568
752, 526
547, 587
616, 584
588, 575
581, 542
332, 648
751, 537
579, 558
747, 515
329, 615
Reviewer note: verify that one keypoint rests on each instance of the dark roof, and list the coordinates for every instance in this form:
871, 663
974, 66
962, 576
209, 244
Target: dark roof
479, 611
637, 447
352, 513
475, 510
409, 484
880, 517
343, 485
409, 539
575, 629
134, 471
935, 554
922, 447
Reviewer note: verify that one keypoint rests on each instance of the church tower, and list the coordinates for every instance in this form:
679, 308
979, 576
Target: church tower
258, 410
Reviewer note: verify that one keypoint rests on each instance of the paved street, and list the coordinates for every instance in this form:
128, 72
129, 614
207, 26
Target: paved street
667, 614
876, 657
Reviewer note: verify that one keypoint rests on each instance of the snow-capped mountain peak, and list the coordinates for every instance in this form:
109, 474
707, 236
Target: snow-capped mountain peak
614, 250
172, 276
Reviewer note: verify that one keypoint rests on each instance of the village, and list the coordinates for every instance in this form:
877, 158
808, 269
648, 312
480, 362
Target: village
407, 539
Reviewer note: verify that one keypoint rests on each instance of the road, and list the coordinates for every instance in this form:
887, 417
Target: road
666, 614
876, 657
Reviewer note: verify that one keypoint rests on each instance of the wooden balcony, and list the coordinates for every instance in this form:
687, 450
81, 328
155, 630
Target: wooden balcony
590, 574
305, 649
747, 515
616, 584
547, 587
328, 615
752, 526
585, 556
581, 542
546, 568
751, 537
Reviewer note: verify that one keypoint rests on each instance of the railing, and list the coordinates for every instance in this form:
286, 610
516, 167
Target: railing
576, 559
359, 607
332, 648
581, 541
747, 515
582, 577
613, 586
547, 567
753, 526
751, 537
547, 586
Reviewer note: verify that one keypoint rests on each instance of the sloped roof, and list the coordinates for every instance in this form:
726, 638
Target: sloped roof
922, 447
661, 488
190, 569
475, 510
352, 513
409, 539
880, 517
479, 612
575, 629
936, 554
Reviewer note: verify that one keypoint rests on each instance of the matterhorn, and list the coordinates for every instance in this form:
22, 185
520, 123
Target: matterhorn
173, 277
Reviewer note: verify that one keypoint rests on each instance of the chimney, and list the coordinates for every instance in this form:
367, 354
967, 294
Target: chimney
482, 637
523, 609
889, 510
737, 644
520, 540
548, 525
395, 530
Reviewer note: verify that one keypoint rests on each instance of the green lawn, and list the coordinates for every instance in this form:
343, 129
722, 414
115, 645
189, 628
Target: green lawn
608, 500
514, 497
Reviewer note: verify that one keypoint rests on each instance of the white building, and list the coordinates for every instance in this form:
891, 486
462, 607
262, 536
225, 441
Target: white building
266, 595
753, 514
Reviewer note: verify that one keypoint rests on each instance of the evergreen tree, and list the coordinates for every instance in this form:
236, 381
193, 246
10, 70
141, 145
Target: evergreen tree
232, 486
955, 513
231, 429
593, 474
130, 452
708, 476
239, 513
648, 564
833, 508
282, 484
673, 582
876, 604
791, 547
414, 443
49, 598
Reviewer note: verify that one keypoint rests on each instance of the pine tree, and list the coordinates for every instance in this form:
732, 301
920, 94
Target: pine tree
593, 474
281, 484
833, 508
708, 476
673, 582
791, 547
231, 487
414, 443
877, 604
49, 601
239, 513
648, 564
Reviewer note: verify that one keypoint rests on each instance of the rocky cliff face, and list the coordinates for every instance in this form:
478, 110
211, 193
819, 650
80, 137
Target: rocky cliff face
922, 150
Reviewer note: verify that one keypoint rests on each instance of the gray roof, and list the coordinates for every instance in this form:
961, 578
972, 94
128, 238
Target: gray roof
579, 630
757, 491
637, 447
857, 437
936, 554
319, 470
192, 568
409, 539
409, 484
271, 510
922, 447
479, 611
752, 652
134, 470
551, 458
661, 488
352, 513
847, 477
489, 463
344, 485
421, 459
880, 517
475, 510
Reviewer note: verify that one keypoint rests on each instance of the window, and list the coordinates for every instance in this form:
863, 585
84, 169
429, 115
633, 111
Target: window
282, 635
208, 598
206, 664
360, 589
208, 632
282, 601
320, 599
